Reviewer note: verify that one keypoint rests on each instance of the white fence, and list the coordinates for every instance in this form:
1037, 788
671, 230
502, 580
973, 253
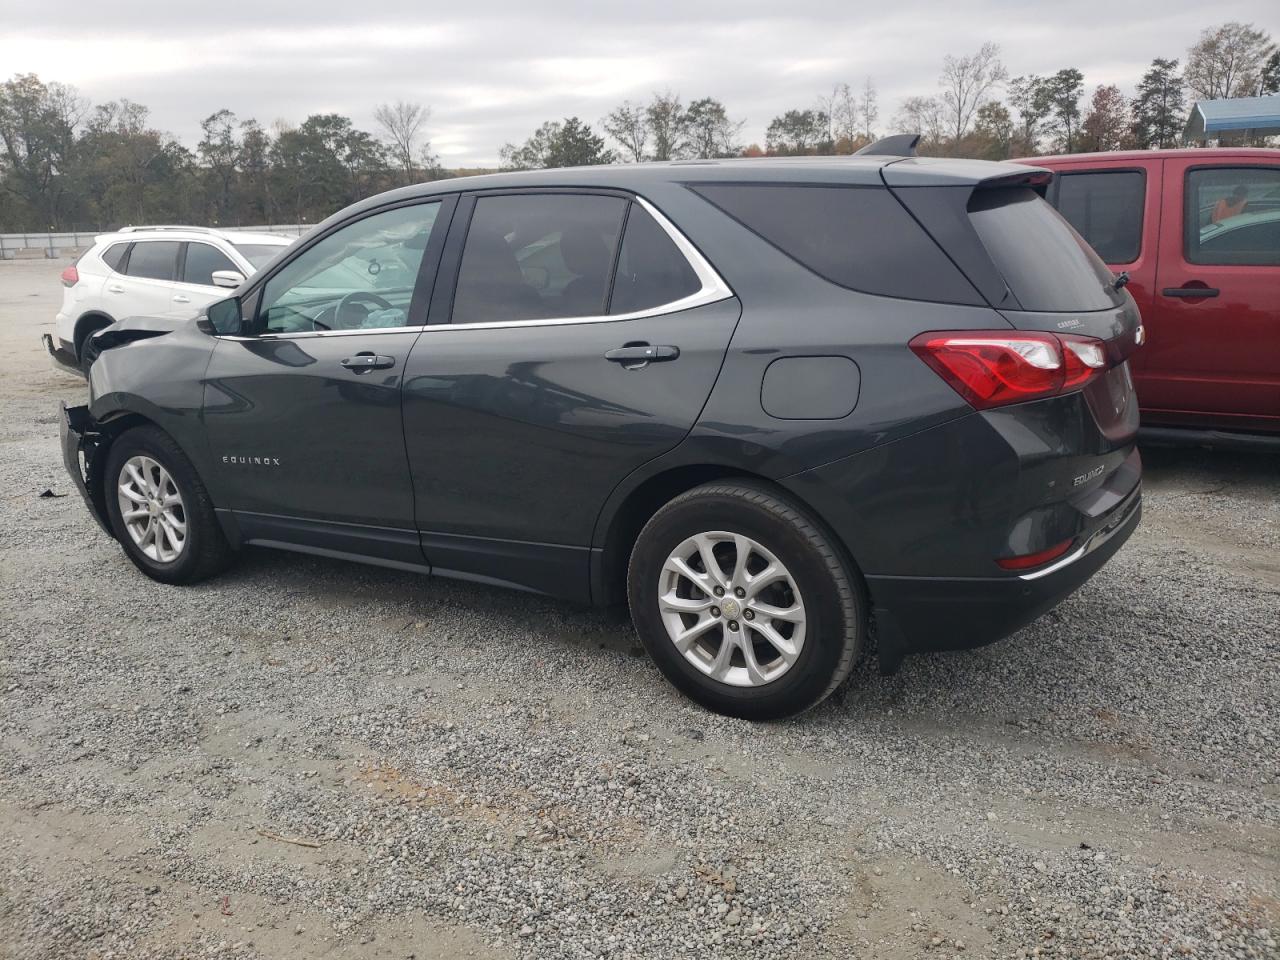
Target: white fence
54, 245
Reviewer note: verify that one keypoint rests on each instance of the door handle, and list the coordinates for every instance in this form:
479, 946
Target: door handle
115, 288
181, 299
640, 353
368, 361
1189, 292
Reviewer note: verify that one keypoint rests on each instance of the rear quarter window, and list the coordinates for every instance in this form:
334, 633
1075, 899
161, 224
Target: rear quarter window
857, 237
1046, 264
114, 254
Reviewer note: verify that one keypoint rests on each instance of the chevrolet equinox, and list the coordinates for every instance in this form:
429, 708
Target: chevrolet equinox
780, 407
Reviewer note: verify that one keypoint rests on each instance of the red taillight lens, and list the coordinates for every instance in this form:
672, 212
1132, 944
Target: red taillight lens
70, 276
994, 368
1028, 560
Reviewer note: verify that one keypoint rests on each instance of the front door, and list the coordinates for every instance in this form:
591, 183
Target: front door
303, 414
195, 290
1214, 336
557, 376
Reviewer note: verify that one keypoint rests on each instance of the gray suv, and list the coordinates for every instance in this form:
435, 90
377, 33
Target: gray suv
780, 407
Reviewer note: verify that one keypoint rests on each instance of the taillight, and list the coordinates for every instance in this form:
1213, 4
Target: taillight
994, 368
70, 276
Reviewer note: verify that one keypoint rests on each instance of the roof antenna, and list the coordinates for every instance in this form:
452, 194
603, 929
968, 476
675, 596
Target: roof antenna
899, 145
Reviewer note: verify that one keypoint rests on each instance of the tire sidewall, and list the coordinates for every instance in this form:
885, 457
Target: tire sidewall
826, 621
159, 448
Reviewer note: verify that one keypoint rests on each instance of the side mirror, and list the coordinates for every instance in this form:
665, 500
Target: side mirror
223, 318
227, 278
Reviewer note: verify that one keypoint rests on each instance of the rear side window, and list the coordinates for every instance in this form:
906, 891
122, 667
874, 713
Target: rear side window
858, 237
202, 261
1106, 209
538, 256
1046, 264
1233, 216
114, 254
651, 269
154, 259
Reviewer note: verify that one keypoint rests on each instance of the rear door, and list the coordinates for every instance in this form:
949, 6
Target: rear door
143, 287
1213, 354
558, 374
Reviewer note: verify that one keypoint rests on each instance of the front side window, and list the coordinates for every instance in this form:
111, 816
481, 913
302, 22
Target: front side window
1106, 209
202, 261
1233, 216
359, 277
538, 256
258, 254
154, 259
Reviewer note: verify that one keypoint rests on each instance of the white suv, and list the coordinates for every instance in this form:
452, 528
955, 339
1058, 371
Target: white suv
164, 272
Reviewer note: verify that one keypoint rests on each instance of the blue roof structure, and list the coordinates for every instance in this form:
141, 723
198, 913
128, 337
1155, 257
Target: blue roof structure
1261, 115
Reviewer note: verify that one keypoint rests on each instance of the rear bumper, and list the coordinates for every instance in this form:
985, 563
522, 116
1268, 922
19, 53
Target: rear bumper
63, 358
80, 444
919, 614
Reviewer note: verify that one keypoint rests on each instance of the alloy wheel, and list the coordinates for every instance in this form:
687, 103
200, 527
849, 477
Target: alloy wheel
732, 608
152, 509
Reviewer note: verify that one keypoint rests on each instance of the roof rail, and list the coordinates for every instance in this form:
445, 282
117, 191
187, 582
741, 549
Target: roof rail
899, 145
169, 226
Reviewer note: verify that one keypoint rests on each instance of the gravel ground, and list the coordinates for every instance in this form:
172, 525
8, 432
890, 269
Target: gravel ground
311, 759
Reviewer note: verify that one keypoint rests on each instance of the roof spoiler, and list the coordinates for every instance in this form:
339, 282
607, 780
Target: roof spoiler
899, 145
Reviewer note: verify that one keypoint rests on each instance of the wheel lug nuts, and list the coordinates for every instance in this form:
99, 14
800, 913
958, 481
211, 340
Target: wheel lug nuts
733, 625
748, 615
715, 611
719, 591
739, 592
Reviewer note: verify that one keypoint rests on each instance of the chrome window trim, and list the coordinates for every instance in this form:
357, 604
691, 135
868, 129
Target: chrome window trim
713, 289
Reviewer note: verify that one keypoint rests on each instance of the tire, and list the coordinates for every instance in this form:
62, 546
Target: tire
82, 344
204, 550
821, 594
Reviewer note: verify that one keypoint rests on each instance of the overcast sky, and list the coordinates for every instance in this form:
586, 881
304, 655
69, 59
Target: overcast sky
493, 71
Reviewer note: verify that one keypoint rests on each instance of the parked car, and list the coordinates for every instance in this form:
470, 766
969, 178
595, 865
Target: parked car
1198, 232
168, 272
770, 403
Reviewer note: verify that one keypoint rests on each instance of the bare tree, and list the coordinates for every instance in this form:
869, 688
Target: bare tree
966, 85
926, 116
402, 125
1226, 61
627, 124
869, 108
665, 116
841, 108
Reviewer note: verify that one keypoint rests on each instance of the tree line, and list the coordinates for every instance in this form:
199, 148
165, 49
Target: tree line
65, 163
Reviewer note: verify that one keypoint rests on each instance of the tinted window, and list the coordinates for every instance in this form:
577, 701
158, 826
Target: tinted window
154, 259
651, 269
202, 260
858, 237
1106, 209
359, 277
114, 254
538, 256
1045, 263
259, 254
1233, 215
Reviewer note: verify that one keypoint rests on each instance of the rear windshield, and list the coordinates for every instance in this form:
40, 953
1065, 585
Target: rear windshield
259, 254
858, 237
1045, 263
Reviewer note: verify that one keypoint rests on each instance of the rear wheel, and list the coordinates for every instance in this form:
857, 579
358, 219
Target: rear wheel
745, 602
87, 329
160, 511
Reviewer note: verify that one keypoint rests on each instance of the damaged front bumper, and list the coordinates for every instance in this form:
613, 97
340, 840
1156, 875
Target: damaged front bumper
81, 442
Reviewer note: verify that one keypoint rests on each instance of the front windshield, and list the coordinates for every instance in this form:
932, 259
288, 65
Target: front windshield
259, 254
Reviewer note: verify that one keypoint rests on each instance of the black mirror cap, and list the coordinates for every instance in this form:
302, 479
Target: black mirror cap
223, 319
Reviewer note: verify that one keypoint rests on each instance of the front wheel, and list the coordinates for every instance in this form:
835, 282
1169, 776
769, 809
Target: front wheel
160, 511
745, 602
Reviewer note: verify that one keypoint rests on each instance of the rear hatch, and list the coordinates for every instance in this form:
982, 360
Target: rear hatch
1076, 450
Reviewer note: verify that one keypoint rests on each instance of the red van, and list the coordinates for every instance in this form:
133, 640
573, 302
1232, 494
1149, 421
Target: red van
1198, 232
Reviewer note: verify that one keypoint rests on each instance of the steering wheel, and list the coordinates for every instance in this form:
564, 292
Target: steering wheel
341, 318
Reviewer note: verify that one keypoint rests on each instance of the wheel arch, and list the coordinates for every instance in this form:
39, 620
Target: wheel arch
628, 511
86, 323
